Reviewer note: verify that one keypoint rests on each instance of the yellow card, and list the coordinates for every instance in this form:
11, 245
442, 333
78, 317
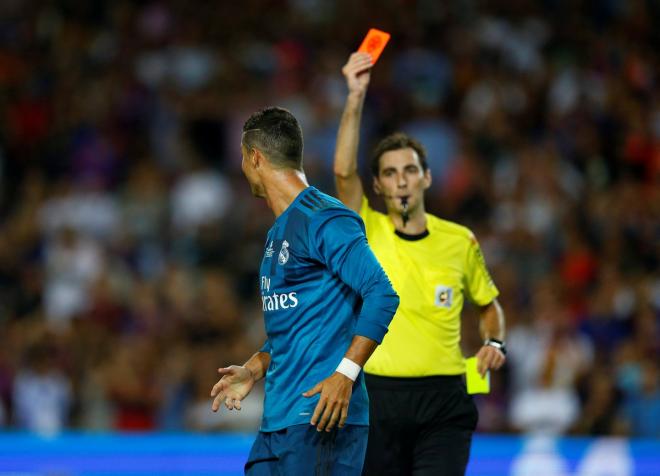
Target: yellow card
475, 383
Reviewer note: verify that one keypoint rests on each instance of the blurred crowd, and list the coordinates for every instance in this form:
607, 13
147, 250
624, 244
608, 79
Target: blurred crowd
130, 243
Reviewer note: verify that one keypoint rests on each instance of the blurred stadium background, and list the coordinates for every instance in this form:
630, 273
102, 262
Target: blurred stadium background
129, 242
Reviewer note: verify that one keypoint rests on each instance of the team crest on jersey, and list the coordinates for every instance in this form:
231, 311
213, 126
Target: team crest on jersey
283, 257
443, 296
269, 250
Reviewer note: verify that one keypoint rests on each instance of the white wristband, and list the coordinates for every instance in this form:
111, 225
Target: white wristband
349, 368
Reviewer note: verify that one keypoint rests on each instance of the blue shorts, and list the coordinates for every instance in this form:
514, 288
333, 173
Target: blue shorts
301, 450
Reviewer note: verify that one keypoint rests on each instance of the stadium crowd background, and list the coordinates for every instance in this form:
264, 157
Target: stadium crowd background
129, 242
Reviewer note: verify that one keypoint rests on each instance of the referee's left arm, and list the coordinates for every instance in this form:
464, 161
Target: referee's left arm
482, 292
492, 354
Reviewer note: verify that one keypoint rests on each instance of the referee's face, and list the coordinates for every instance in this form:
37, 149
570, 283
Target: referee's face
400, 175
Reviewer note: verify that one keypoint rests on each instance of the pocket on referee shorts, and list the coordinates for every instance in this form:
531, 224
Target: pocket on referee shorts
473, 412
465, 414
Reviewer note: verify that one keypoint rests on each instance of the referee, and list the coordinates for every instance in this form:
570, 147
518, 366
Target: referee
421, 418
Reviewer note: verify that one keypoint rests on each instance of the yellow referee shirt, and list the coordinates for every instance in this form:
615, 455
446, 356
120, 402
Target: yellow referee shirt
432, 276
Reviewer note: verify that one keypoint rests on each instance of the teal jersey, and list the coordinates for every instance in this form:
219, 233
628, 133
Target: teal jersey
320, 286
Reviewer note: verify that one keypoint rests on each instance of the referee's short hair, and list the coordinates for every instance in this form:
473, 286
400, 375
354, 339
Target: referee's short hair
276, 133
396, 141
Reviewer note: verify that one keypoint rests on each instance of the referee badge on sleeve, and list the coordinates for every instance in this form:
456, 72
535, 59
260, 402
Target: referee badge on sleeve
443, 296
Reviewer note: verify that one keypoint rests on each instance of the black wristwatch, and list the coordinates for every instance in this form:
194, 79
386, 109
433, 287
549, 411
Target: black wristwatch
498, 344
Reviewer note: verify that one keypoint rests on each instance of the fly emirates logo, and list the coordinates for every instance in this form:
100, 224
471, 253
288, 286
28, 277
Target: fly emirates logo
275, 301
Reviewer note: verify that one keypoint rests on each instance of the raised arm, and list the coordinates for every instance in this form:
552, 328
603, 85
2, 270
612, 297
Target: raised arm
349, 187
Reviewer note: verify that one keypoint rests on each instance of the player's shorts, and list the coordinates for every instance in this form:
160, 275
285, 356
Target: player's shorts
301, 450
419, 426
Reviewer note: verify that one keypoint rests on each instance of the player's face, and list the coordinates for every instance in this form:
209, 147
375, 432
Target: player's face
401, 176
250, 171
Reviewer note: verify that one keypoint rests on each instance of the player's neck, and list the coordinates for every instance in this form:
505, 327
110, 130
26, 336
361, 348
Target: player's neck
415, 224
282, 187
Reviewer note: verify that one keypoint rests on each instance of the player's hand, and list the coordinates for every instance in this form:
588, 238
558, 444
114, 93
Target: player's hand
357, 72
234, 386
489, 357
332, 408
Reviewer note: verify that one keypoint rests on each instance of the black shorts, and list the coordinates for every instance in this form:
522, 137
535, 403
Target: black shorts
419, 426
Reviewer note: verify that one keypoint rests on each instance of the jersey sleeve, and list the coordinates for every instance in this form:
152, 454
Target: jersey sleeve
337, 239
266, 347
479, 285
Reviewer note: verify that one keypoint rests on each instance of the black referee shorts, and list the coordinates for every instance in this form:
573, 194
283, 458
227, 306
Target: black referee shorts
419, 426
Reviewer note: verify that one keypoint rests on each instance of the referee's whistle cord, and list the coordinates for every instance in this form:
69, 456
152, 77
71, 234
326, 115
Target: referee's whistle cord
404, 214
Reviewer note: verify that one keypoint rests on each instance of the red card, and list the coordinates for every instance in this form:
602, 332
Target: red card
374, 43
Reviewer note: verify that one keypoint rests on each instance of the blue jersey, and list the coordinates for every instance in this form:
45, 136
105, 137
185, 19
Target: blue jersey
320, 286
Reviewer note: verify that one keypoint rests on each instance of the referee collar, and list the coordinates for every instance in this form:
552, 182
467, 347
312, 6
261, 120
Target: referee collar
407, 237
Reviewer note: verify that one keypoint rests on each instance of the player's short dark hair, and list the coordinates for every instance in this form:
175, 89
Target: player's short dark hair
396, 141
276, 133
